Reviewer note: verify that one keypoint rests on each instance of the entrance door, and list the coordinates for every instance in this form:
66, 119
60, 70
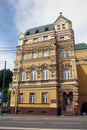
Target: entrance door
67, 101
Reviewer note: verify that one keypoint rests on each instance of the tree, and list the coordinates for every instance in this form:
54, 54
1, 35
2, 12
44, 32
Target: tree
8, 80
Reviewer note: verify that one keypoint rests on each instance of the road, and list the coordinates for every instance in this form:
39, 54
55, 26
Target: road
39, 123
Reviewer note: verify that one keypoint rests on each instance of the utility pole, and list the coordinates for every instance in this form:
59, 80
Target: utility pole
3, 89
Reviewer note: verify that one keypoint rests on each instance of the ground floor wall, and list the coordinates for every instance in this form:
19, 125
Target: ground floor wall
36, 111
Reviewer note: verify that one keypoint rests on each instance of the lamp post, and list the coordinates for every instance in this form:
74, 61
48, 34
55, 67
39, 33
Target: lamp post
3, 89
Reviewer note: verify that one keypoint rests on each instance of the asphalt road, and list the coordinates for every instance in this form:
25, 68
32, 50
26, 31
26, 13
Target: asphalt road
42, 122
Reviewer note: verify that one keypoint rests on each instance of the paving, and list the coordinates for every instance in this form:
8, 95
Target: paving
41, 117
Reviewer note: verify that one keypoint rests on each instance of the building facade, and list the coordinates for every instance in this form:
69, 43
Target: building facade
45, 79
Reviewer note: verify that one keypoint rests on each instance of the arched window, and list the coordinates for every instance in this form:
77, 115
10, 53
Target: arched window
22, 76
33, 75
45, 74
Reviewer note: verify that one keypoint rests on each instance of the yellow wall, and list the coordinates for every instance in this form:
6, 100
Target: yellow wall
82, 75
52, 95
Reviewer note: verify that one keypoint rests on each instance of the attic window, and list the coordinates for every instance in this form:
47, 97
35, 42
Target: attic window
46, 29
37, 31
63, 26
28, 33
58, 27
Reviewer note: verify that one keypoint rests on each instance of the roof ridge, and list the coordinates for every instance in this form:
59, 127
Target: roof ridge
61, 16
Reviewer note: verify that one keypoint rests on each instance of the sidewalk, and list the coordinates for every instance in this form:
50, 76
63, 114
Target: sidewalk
41, 117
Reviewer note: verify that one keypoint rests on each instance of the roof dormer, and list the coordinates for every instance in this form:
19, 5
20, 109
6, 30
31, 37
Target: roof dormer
62, 23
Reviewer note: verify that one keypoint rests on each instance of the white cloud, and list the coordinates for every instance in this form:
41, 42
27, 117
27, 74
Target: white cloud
31, 13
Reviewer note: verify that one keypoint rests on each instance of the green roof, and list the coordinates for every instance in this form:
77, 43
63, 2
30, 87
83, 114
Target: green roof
40, 29
44, 28
80, 46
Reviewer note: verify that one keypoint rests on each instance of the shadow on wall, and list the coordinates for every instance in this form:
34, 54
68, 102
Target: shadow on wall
82, 81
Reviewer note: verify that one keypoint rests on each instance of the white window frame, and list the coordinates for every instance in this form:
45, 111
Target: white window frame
63, 26
25, 41
62, 54
34, 55
21, 97
45, 53
33, 75
66, 74
24, 57
58, 27
85, 61
22, 76
32, 98
62, 38
77, 62
45, 38
35, 40
44, 97
53, 62
45, 74
67, 53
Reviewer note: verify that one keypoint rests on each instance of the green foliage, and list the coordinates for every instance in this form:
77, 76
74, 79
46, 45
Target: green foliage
8, 77
8, 80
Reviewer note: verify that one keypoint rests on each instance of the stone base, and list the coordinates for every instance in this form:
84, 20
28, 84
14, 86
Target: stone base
36, 111
72, 112
77, 110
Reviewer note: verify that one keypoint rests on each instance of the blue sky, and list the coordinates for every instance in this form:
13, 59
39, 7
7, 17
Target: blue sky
17, 16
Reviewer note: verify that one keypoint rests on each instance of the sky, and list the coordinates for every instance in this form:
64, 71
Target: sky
16, 16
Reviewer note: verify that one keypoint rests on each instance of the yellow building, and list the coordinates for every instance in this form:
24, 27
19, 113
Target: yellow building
45, 73
81, 61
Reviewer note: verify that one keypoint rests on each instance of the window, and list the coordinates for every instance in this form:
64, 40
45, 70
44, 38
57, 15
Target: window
62, 54
67, 53
62, 38
20, 97
85, 61
24, 57
44, 97
37, 31
28, 33
16, 65
25, 41
63, 26
35, 40
34, 55
45, 74
33, 75
53, 62
58, 27
45, 54
32, 98
46, 29
22, 76
66, 74
77, 62
45, 38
